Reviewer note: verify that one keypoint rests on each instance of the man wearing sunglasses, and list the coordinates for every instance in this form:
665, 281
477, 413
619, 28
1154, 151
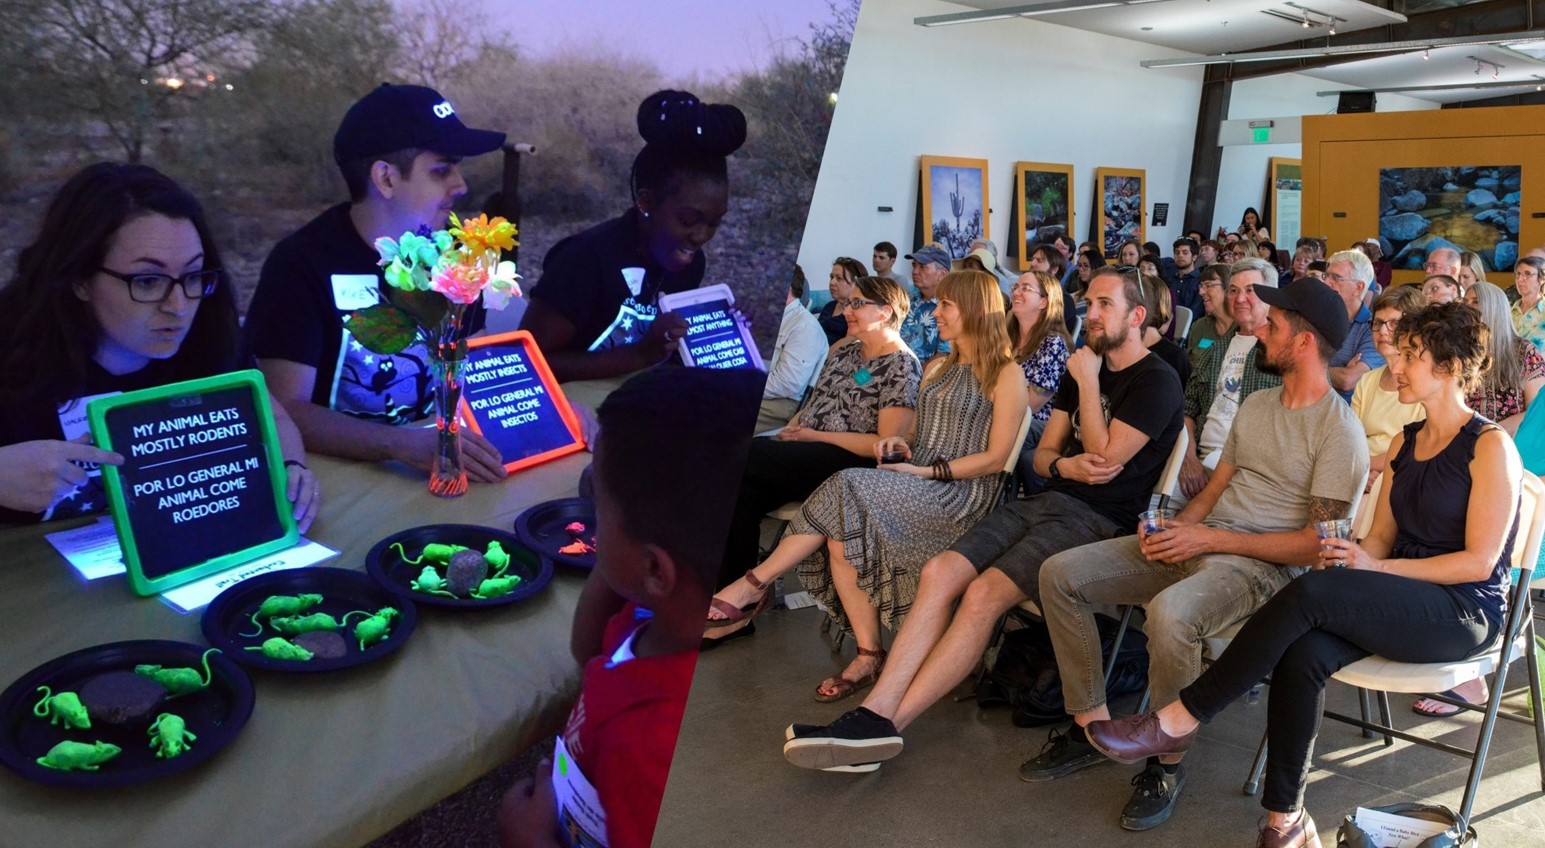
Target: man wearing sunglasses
399, 150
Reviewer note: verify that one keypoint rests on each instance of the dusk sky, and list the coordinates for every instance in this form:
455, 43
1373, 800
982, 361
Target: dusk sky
708, 38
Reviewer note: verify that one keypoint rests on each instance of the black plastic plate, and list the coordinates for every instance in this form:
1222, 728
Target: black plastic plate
541, 528
396, 575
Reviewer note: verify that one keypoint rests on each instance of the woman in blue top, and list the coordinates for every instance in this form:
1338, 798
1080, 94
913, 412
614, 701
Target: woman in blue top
1428, 584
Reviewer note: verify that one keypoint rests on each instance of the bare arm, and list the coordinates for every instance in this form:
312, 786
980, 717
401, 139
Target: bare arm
1345, 378
893, 421
1008, 411
554, 333
1494, 480
1292, 548
1193, 474
336, 434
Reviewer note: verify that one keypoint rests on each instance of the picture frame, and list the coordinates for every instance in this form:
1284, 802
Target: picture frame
1043, 201
953, 207
1284, 200
1119, 204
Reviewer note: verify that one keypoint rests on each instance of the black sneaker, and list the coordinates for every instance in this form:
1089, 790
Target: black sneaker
794, 731
1154, 798
1061, 756
857, 738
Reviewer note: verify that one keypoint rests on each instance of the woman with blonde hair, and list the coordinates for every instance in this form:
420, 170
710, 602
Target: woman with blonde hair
861, 539
1041, 346
1517, 370
1472, 270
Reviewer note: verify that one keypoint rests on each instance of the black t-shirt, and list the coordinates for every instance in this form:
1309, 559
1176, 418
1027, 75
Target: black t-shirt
1175, 356
606, 284
31, 421
312, 279
1147, 396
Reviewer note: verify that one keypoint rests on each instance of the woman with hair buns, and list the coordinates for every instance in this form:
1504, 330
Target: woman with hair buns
595, 311
860, 540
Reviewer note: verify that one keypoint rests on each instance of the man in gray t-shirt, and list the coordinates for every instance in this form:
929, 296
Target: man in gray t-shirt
1294, 456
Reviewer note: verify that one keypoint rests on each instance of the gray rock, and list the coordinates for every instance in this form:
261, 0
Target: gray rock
121, 697
1511, 198
1505, 256
1480, 197
323, 644
466, 571
1513, 179
1403, 227
1488, 183
1450, 187
1411, 201
1512, 220
1490, 216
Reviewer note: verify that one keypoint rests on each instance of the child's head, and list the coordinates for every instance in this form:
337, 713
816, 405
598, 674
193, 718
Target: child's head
667, 468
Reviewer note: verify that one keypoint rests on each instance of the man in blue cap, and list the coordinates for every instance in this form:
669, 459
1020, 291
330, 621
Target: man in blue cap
920, 329
399, 149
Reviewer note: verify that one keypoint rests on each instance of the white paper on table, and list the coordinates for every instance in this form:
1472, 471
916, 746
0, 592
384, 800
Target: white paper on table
1388, 830
91, 550
198, 594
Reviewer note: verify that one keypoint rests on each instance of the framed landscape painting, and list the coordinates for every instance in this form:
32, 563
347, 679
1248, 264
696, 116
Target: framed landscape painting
1118, 207
1044, 200
953, 203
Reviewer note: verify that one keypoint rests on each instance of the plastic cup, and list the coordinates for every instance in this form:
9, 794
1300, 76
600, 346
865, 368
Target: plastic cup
891, 457
1155, 520
1336, 528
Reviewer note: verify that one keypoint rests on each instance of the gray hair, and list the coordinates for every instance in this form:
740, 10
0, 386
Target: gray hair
1438, 251
1507, 371
1362, 266
988, 243
1260, 266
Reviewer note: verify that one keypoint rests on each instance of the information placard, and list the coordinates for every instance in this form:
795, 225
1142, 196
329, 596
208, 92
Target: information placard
716, 336
201, 488
511, 398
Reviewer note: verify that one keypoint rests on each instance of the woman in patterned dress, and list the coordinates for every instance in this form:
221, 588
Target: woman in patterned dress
861, 539
1517, 369
1041, 345
866, 391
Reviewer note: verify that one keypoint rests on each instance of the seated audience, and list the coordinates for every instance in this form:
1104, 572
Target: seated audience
884, 262
1441, 288
1088, 262
1157, 303
1294, 457
1472, 270
840, 285
123, 289
861, 539
1350, 274
1047, 259
1128, 252
1041, 347
1428, 584
1208, 328
920, 330
797, 358
1508, 388
1528, 312
1113, 424
1209, 252
1376, 400
1299, 267
1442, 260
1228, 373
1185, 280
866, 392
1243, 249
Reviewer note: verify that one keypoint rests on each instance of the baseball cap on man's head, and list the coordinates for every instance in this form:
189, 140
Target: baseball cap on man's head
400, 117
930, 255
1317, 302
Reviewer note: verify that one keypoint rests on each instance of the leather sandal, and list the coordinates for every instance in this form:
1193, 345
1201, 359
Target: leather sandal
735, 615
844, 687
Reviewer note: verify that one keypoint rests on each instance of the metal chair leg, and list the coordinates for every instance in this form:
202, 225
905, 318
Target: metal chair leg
1115, 648
1532, 664
1257, 768
1364, 700
1384, 718
1493, 705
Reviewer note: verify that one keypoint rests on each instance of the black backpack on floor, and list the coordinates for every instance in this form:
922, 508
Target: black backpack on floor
1024, 674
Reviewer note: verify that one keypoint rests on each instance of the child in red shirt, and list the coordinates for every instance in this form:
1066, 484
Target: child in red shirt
667, 465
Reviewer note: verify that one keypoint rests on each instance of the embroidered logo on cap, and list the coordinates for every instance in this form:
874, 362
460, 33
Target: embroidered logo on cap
443, 109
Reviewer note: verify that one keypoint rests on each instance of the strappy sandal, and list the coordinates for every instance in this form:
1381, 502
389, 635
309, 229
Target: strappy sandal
844, 687
735, 615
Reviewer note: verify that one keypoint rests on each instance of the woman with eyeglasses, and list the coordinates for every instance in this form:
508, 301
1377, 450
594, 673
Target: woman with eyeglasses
1528, 311
841, 284
860, 540
866, 392
1508, 388
1206, 330
122, 290
1376, 399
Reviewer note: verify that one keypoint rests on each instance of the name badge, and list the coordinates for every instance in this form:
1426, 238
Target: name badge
1204, 344
356, 291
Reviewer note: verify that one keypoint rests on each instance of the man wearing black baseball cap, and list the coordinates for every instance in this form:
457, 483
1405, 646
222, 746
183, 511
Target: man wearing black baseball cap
399, 149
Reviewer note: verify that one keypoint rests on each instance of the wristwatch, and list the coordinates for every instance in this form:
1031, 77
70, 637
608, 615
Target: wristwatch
1055, 474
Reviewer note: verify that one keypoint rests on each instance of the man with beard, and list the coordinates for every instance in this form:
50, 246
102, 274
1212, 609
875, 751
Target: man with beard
1293, 458
1113, 424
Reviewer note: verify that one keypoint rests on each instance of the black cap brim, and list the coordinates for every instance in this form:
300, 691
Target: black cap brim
467, 142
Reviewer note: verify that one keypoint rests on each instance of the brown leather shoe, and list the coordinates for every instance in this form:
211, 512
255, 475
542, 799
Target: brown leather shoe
1135, 738
1299, 834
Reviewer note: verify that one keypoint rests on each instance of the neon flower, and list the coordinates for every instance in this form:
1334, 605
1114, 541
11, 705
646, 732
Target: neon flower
503, 284
480, 235
460, 283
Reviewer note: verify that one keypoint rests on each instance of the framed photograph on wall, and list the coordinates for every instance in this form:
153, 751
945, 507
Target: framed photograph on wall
952, 206
1118, 207
1284, 196
1044, 201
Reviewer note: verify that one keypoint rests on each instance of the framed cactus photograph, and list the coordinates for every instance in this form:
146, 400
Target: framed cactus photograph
1118, 207
953, 206
1044, 199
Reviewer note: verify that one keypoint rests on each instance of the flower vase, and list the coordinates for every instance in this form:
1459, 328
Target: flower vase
448, 474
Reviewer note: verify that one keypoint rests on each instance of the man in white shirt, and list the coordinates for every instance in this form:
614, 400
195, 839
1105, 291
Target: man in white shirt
797, 359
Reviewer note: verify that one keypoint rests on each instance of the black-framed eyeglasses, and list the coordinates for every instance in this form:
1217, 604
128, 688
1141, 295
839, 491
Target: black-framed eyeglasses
155, 288
1385, 325
857, 303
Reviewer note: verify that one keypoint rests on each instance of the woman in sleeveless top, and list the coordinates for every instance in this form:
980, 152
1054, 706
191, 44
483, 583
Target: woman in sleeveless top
861, 539
1428, 584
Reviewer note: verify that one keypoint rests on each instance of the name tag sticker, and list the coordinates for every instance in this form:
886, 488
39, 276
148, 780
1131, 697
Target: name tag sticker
1204, 344
356, 291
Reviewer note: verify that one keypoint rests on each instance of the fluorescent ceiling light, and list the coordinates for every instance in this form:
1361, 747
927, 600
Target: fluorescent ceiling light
1534, 81
1029, 10
1347, 50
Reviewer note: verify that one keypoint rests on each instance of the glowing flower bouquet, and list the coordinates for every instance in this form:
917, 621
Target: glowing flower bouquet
432, 278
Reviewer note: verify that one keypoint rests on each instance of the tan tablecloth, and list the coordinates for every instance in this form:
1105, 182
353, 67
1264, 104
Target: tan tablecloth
326, 759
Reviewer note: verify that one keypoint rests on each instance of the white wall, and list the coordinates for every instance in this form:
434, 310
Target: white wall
1005, 91
1242, 177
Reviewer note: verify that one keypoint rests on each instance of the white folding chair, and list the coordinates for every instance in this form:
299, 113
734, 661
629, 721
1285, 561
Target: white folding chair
1383, 676
1362, 523
1182, 320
